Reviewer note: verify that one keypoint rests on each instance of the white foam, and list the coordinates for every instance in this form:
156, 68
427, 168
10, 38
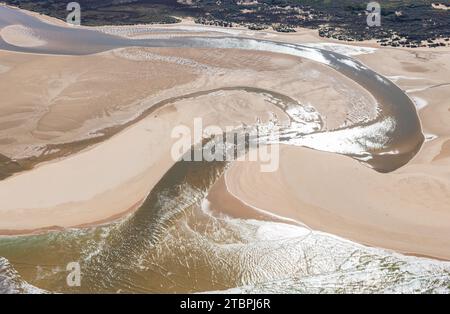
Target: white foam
355, 141
351, 63
305, 52
381, 79
279, 231
430, 137
206, 206
305, 119
396, 78
346, 50
12, 283
290, 259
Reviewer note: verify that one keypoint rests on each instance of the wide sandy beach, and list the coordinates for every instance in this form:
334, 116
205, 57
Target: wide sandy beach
407, 210
111, 177
131, 99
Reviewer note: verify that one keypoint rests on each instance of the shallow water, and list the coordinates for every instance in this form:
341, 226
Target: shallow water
174, 244
404, 137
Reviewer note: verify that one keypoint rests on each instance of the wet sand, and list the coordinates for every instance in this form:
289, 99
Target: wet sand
66, 200
407, 210
93, 191
405, 136
87, 188
66, 118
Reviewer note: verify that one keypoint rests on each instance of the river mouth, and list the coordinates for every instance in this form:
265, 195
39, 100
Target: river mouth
110, 255
173, 244
397, 121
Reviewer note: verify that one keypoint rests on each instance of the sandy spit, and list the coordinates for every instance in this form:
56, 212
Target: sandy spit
407, 210
21, 36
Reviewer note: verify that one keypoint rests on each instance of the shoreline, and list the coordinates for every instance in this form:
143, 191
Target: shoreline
219, 192
132, 186
398, 222
94, 224
283, 37
97, 143
398, 95
69, 203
